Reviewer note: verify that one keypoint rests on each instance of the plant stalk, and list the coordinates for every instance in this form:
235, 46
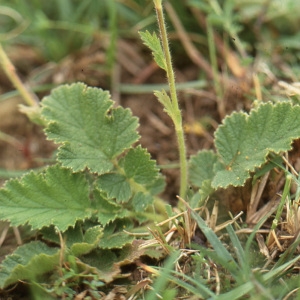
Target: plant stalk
10, 71
176, 115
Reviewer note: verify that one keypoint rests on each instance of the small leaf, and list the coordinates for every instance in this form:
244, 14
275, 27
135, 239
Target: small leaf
139, 167
202, 167
115, 241
244, 141
141, 180
202, 170
164, 99
91, 132
71, 235
107, 211
90, 241
153, 43
101, 262
141, 201
116, 186
157, 186
206, 189
114, 237
56, 197
137, 248
28, 262
78, 242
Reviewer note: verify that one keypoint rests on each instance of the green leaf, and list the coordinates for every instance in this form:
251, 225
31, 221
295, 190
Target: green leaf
114, 237
133, 251
107, 211
101, 262
141, 201
91, 132
165, 100
244, 141
28, 262
78, 242
115, 241
201, 167
116, 186
144, 177
56, 197
157, 186
141, 180
90, 241
153, 43
106, 263
70, 236
139, 167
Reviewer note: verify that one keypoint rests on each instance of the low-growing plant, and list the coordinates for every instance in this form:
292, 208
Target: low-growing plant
104, 185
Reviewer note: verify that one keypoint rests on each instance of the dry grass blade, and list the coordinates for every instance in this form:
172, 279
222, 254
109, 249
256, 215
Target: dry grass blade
290, 89
225, 224
191, 50
229, 56
262, 246
268, 209
256, 193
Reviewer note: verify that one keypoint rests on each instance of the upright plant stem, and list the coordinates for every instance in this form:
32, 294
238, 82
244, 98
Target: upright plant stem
177, 117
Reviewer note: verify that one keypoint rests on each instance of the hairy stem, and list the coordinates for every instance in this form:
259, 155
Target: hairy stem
176, 115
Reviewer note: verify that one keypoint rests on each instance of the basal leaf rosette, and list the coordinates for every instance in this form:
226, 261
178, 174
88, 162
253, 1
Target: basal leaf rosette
57, 197
244, 141
91, 131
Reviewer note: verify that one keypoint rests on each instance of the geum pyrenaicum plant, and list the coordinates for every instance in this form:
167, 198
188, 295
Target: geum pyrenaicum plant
103, 183
99, 176
243, 143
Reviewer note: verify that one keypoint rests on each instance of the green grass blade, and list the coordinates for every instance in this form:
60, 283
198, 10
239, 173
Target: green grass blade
162, 281
238, 250
237, 293
221, 252
196, 288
